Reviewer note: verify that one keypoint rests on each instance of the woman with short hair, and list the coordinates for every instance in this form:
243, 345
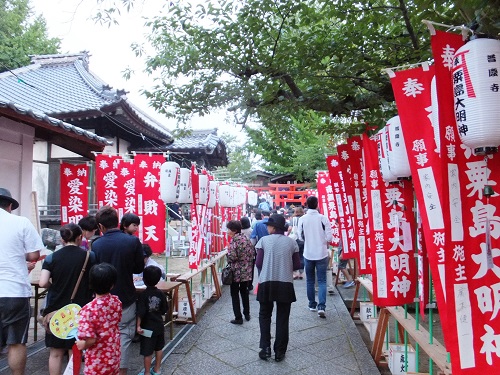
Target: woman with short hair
240, 256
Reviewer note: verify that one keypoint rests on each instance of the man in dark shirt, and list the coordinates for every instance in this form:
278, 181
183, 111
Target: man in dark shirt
260, 229
125, 253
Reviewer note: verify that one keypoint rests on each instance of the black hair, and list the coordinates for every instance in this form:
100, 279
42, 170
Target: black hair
234, 225
5, 203
88, 223
70, 232
312, 202
146, 249
151, 275
129, 218
107, 217
245, 222
258, 215
102, 278
266, 213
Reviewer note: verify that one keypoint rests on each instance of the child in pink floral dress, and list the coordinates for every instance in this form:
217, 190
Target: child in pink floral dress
98, 331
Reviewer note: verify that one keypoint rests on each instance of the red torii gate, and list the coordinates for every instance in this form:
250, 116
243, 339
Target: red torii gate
288, 193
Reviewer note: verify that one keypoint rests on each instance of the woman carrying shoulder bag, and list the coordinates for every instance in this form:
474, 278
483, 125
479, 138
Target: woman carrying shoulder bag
60, 274
240, 256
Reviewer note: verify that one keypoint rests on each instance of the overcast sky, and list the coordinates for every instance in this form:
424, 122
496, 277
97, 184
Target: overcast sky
110, 50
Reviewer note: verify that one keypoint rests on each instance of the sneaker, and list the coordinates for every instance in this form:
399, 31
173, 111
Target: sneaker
321, 313
349, 284
236, 321
313, 309
152, 372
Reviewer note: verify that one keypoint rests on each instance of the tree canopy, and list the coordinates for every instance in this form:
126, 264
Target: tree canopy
282, 63
22, 34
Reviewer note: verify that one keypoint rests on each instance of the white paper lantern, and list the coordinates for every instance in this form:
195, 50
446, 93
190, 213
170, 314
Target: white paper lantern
383, 162
184, 186
225, 195
399, 165
435, 115
241, 195
476, 88
203, 189
169, 181
252, 198
212, 199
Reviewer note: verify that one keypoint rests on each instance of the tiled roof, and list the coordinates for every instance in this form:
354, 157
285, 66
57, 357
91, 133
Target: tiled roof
198, 139
62, 85
40, 116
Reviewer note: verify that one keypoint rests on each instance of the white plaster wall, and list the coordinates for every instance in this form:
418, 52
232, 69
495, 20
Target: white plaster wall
57, 152
40, 151
16, 159
41, 182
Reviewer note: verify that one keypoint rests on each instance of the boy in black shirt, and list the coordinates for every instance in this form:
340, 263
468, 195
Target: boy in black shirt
151, 306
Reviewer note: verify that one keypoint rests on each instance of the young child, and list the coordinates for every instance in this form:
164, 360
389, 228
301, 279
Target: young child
130, 223
151, 306
98, 330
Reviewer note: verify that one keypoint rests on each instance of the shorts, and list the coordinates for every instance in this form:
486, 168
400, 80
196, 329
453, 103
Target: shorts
152, 344
127, 332
343, 264
52, 341
14, 320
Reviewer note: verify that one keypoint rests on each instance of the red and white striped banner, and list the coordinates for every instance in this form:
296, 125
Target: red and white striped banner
326, 204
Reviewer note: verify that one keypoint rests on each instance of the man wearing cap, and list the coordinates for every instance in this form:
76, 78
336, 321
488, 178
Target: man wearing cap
277, 258
316, 232
20, 243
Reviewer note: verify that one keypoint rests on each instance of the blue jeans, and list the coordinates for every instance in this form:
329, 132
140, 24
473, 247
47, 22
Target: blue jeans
316, 268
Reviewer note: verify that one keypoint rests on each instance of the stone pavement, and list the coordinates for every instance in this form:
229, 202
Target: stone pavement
215, 346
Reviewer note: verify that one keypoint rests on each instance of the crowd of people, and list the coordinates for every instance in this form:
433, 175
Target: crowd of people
99, 272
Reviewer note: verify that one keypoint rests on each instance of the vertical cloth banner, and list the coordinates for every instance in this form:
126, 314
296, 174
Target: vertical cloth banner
150, 207
74, 194
341, 200
113, 178
392, 224
412, 92
195, 220
327, 204
472, 238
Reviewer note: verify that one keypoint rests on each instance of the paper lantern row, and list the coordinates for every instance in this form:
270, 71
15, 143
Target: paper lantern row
175, 187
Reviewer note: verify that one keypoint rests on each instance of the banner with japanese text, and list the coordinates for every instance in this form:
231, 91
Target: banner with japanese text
114, 180
471, 240
149, 206
352, 154
326, 203
412, 92
74, 192
341, 201
392, 227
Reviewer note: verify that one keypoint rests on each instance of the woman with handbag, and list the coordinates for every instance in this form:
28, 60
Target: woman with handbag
240, 256
66, 275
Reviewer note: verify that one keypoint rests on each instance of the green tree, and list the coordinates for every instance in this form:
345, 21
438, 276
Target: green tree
22, 34
241, 160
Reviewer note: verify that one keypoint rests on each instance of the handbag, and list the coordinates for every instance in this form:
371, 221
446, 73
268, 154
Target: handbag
227, 275
44, 320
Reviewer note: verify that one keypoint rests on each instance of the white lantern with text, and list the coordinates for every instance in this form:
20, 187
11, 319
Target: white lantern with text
399, 164
252, 198
169, 181
212, 199
476, 88
184, 185
225, 195
203, 189
383, 162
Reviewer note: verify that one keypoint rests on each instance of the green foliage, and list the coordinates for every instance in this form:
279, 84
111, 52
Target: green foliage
241, 160
22, 35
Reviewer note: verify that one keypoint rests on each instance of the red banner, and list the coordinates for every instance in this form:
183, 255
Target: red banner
114, 177
74, 194
326, 203
392, 226
342, 204
412, 92
471, 241
352, 153
150, 208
